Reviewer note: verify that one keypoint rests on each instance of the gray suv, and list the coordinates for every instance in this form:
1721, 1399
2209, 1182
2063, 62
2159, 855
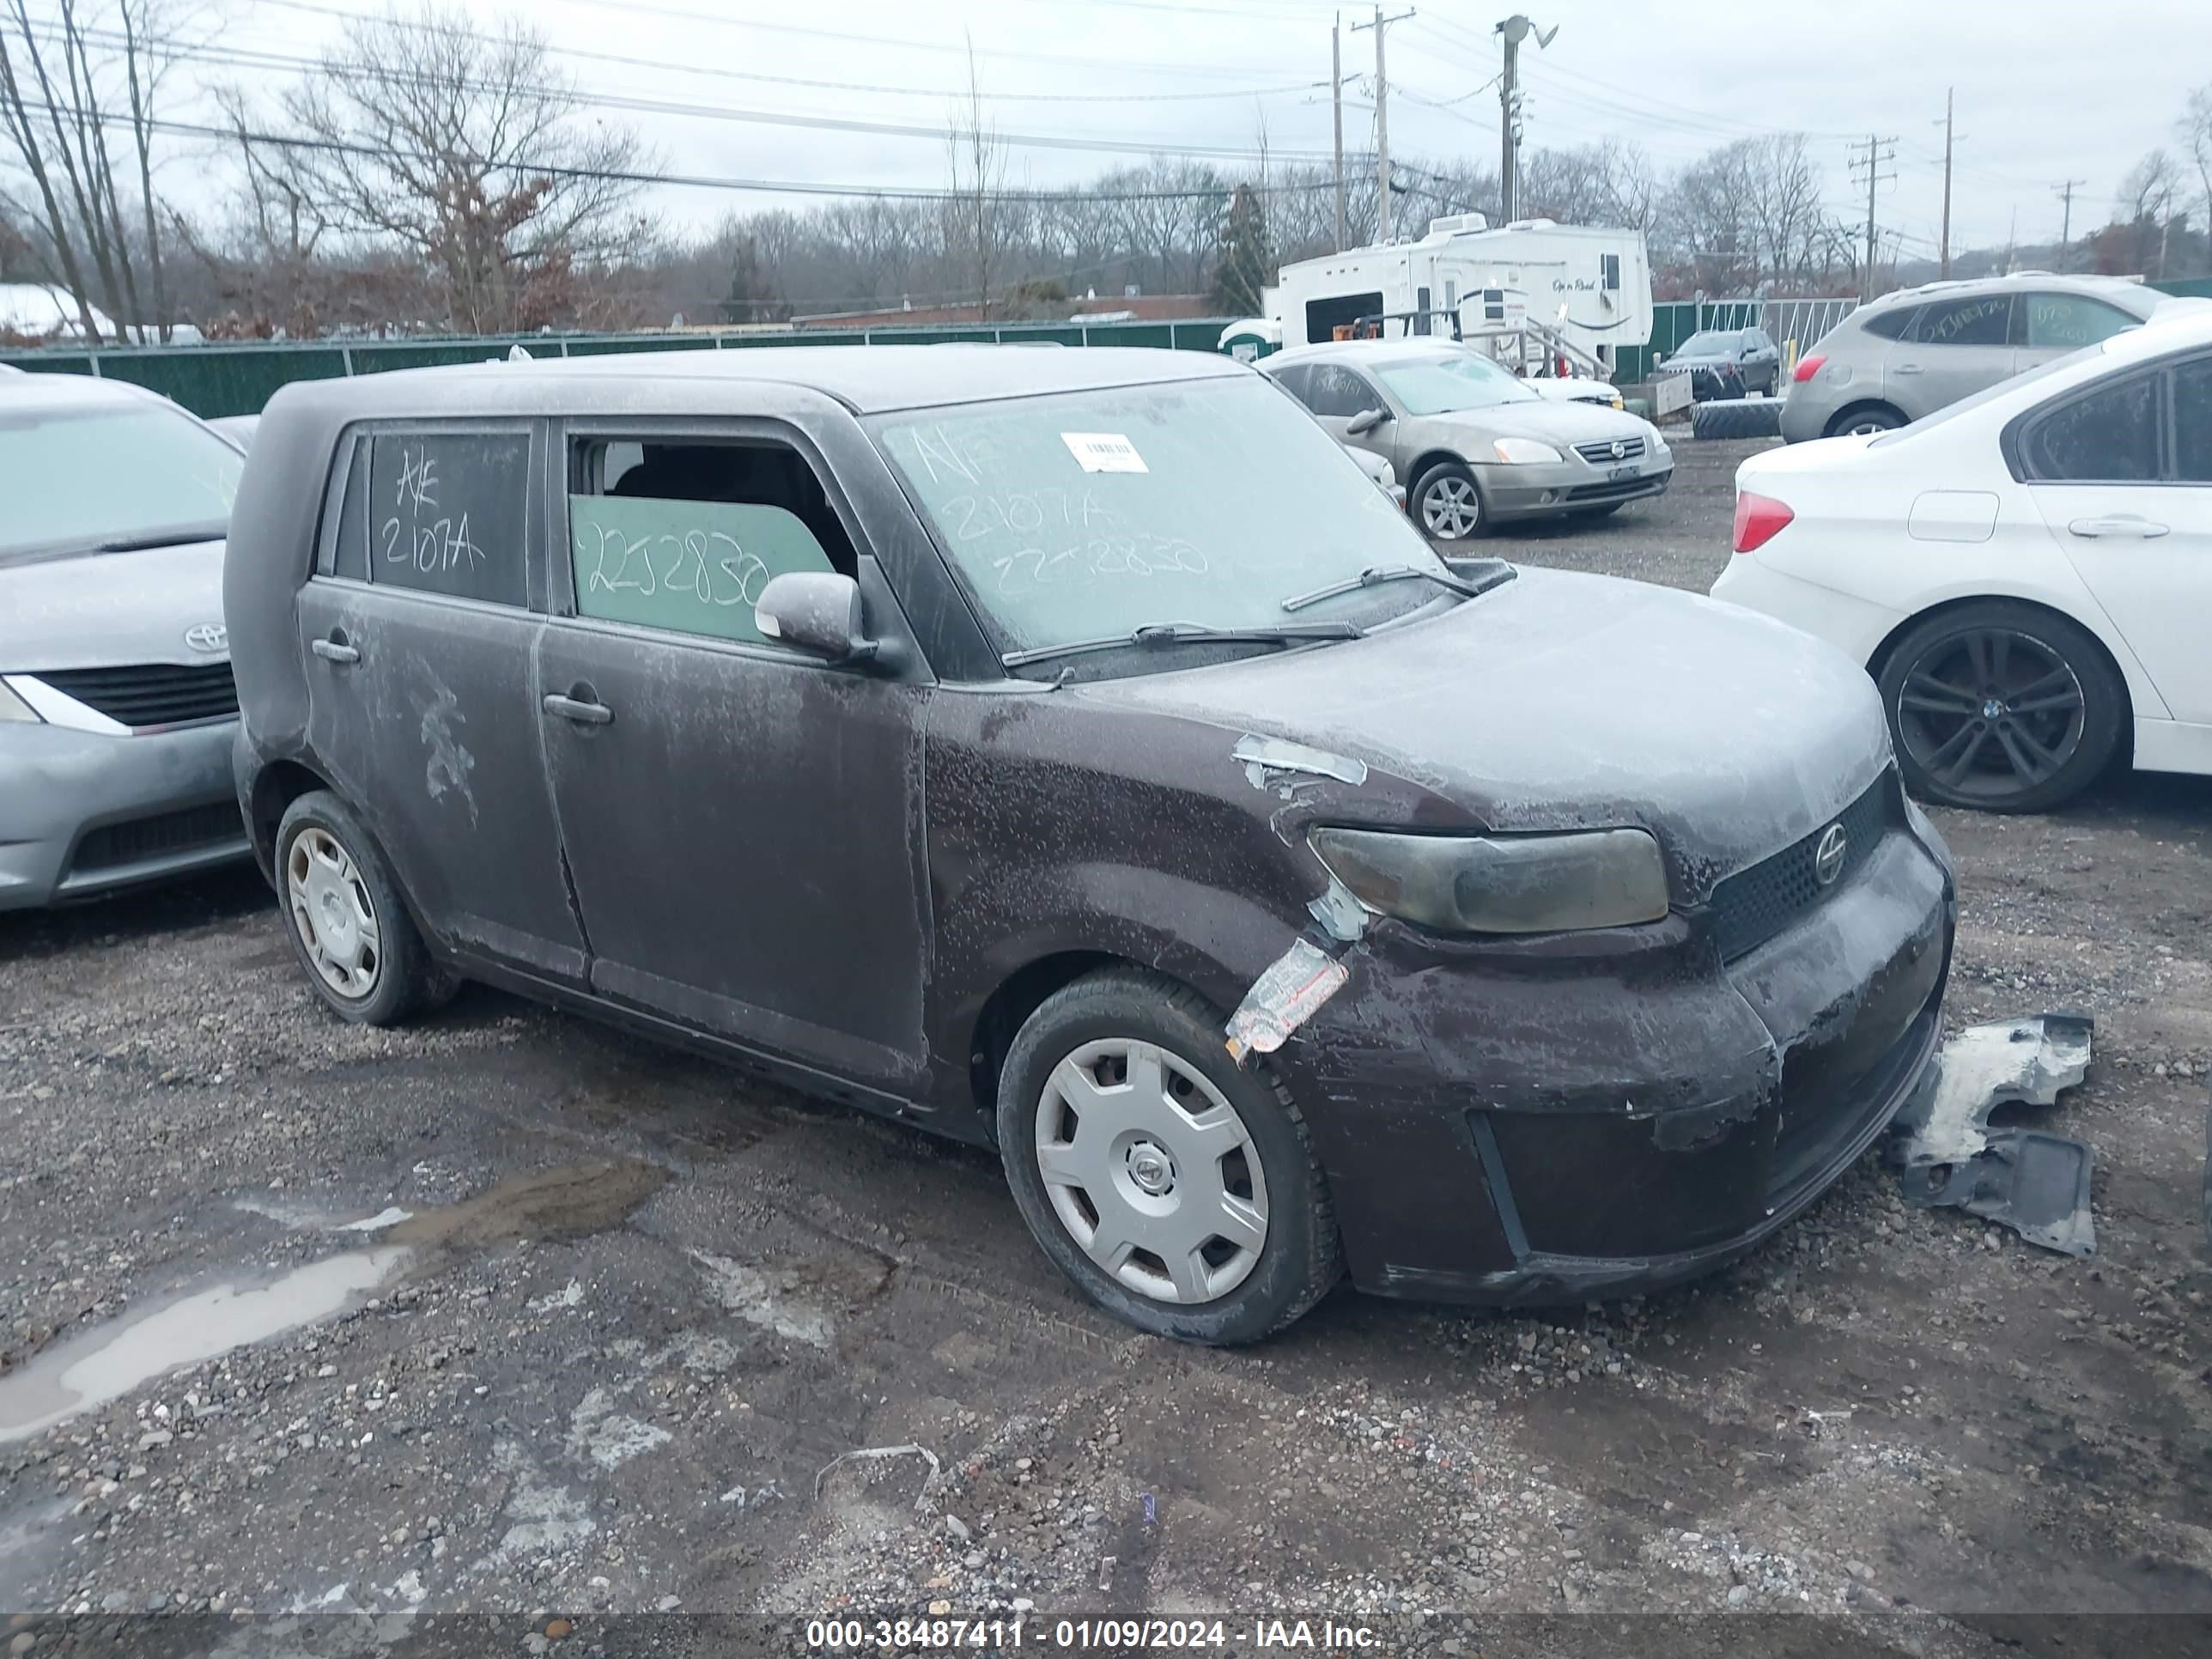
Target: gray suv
1910, 353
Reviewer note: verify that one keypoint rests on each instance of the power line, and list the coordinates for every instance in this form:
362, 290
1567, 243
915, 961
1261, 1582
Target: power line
2064, 192
1874, 160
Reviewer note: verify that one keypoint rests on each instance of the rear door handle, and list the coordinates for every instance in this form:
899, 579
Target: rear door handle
579, 710
2120, 524
335, 648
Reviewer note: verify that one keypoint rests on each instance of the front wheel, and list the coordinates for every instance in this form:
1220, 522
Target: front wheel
2002, 706
1178, 1191
1447, 503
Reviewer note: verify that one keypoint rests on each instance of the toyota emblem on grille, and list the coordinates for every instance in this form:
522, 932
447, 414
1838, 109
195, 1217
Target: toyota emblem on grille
1828, 856
207, 636
1619, 450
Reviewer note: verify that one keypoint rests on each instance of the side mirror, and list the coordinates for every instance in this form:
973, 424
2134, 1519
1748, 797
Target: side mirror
1364, 421
818, 612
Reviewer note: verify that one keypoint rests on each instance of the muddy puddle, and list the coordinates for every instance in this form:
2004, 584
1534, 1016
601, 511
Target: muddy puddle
105, 1363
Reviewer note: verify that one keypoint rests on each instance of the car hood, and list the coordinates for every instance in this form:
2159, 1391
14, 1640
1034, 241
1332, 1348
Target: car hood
1697, 363
1554, 422
111, 609
1560, 701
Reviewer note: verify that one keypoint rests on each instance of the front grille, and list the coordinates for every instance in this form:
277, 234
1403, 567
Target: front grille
140, 839
1600, 453
151, 694
1752, 906
1614, 492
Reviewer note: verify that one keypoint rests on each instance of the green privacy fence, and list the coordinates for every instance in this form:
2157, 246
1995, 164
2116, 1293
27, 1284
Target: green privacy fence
213, 380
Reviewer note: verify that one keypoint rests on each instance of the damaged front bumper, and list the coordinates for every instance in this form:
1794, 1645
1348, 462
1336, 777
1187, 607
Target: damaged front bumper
1582, 1114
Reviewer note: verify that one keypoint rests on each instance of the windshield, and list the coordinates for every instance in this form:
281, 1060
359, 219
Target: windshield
1708, 344
1443, 385
1094, 513
76, 479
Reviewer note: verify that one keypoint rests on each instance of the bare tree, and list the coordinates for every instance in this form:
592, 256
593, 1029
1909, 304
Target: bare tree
976, 159
69, 82
464, 148
2144, 208
2196, 130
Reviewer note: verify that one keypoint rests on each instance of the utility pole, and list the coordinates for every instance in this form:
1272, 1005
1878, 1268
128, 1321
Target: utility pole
1874, 160
1944, 269
1384, 216
1336, 100
2065, 191
1514, 30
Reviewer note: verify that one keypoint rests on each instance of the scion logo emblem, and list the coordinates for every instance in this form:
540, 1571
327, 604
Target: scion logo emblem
1828, 856
207, 636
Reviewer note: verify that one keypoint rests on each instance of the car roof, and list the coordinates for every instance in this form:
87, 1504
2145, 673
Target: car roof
865, 378
36, 392
1416, 349
2102, 287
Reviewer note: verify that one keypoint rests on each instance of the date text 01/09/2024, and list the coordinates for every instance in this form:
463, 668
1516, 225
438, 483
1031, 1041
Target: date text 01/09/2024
1080, 1635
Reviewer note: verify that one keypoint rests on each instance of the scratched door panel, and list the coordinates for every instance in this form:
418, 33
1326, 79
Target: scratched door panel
744, 835
431, 734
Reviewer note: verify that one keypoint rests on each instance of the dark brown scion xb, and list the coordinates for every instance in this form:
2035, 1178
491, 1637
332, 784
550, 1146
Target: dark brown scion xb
1073, 751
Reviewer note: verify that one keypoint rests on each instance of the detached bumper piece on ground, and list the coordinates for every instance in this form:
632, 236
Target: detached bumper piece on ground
2035, 1183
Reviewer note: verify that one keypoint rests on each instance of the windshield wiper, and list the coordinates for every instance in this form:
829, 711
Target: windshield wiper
1376, 573
1159, 634
178, 537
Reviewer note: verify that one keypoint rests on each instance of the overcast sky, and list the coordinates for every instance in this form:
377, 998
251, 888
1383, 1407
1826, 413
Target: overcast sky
2047, 89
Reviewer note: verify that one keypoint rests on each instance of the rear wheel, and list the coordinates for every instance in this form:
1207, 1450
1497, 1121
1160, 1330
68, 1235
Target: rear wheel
2002, 706
1447, 503
348, 926
1867, 419
1177, 1190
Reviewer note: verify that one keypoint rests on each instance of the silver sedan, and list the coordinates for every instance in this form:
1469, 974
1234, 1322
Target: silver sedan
1475, 445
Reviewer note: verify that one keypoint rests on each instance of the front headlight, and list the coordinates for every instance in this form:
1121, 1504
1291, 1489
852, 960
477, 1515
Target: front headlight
1501, 884
1524, 451
12, 706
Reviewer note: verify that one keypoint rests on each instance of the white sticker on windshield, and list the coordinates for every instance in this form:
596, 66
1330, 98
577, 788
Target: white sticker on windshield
1103, 451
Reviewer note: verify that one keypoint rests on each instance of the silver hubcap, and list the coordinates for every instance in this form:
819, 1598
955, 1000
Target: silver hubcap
1152, 1171
331, 908
1450, 508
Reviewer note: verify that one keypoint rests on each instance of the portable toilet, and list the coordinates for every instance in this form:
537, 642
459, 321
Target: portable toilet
1252, 339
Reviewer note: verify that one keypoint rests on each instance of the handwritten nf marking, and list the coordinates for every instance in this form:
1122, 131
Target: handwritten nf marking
418, 477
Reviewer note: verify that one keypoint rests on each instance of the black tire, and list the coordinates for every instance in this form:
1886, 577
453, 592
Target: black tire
1737, 418
1453, 479
2002, 706
400, 980
1299, 1259
1865, 417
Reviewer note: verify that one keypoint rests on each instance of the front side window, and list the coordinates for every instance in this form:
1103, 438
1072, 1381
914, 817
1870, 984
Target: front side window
2109, 436
447, 510
113, 479
1985, 321
684, 534
2067, 322
1089, 514
1336, 391
1442, 386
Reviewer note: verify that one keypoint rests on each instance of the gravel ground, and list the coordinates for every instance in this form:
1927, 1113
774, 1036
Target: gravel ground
641, 1304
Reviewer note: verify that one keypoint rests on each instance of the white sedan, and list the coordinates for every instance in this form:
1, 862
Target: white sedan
2027, 573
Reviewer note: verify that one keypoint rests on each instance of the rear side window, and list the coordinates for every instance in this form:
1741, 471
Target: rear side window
684, 534
349, 555
2110, 436
447, 510
1336, 391
2192, 420
1985, 320
1891, 324
2067, 322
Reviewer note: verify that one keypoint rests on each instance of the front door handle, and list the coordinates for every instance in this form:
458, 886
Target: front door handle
1908, 369
579, 710
2120, 524
335, 647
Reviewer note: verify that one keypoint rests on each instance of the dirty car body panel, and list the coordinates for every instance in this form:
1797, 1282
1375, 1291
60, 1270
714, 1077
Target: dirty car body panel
863, 875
